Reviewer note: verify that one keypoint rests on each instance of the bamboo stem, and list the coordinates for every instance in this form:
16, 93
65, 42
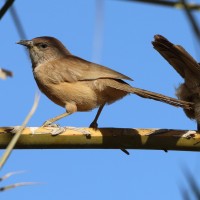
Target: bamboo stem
103, 138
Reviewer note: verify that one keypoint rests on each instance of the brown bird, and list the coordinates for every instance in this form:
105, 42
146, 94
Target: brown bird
188, 68
77, 84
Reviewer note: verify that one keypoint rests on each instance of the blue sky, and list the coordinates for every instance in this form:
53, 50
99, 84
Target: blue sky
127, 32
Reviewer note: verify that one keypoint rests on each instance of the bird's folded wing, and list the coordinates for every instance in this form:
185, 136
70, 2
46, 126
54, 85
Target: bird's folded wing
176, 55
76, 69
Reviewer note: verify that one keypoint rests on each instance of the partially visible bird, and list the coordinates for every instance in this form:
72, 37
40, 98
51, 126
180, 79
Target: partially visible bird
80, 85
188, 68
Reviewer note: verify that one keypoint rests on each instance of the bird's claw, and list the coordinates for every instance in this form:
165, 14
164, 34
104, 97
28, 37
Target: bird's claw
84, 132
57, 130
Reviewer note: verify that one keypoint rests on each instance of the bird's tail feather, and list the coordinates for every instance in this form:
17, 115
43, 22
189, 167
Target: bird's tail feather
176, 55
150, 95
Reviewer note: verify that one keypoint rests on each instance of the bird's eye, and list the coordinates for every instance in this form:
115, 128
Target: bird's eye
43, 46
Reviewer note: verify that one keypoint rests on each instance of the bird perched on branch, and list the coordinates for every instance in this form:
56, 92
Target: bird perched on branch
77, 84
188, 68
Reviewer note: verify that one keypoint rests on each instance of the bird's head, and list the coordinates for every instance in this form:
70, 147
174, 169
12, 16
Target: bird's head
44, 49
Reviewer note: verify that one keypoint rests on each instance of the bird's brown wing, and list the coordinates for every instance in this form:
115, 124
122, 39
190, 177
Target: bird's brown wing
76, 69
176, 55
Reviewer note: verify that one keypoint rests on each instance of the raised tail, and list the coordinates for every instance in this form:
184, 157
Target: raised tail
121, 85
176, 56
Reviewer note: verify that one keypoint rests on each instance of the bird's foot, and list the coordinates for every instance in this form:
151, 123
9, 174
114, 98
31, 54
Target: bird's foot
55, 128
81, 130
94, 125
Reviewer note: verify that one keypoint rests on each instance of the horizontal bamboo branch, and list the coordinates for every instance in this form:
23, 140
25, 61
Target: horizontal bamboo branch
103, 138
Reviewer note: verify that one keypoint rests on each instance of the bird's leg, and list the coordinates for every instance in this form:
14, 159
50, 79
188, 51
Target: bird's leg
94, 124
50, 121
57, 129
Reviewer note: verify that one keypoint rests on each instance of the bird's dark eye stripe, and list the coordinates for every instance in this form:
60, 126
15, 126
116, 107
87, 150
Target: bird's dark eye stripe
42, 45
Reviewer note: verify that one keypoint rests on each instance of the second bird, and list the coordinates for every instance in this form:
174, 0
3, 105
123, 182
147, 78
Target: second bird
77, 84
188, 68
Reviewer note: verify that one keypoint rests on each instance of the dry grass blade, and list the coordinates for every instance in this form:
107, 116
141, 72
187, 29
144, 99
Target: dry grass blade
17, 135
192, 183
184, 193
193, 191
10, 174
18, 23
4, 73
2, 189
5, 8
98, 31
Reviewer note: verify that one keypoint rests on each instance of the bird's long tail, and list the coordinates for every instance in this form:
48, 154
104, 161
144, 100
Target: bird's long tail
120, 85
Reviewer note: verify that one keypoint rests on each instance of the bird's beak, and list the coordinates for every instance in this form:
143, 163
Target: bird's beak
27, 43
